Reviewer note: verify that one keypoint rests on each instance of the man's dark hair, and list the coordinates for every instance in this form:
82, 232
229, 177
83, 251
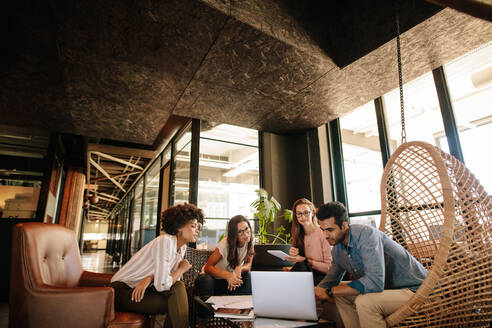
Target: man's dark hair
333, 209
178, 216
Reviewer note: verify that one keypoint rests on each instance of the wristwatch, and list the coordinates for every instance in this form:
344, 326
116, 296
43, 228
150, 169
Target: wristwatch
329, 292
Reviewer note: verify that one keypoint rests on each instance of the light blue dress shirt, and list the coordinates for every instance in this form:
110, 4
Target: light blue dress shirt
375, 261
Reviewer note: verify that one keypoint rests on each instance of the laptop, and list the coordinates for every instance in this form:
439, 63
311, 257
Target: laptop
285, 295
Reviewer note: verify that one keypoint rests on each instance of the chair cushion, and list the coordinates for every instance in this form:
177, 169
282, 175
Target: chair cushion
128, 319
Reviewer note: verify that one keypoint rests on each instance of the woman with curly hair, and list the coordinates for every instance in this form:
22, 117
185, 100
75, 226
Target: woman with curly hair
227, 269
310, 251
149, 282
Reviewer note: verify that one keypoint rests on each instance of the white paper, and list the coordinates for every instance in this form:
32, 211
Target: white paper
232, 302
250, 316
280, 254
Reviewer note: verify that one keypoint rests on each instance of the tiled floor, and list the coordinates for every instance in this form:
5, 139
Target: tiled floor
95, 262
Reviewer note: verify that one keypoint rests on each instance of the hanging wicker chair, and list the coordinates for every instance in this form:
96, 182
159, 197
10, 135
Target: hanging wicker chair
434, 207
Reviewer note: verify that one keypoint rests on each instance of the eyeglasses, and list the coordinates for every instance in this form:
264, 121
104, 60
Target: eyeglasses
244, 231
305, 213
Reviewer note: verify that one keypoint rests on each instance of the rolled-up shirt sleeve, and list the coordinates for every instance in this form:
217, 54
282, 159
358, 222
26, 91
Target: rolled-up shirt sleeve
162, 255
372, 254
333, 277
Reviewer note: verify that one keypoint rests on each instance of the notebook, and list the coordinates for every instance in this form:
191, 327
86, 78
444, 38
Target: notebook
285, 295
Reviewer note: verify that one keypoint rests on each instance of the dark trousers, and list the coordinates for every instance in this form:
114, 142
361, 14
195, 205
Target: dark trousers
173, 302
206, 285
304, 267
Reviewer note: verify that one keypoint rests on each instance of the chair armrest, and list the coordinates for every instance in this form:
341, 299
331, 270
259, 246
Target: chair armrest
93, 279
71, 307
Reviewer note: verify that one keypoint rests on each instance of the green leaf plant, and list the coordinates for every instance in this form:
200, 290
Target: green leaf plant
266, 210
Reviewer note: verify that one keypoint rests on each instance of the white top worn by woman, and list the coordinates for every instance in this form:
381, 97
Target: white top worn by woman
223, 264
159, 258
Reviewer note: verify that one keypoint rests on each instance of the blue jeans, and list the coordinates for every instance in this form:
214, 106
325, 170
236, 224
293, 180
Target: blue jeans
206, 285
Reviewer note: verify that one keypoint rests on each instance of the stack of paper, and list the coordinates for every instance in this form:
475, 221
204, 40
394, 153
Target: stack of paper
233, 307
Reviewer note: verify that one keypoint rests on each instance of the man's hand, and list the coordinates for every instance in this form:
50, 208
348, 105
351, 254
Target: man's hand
139, 291
293, 251
233, 280
184, 265
320, 293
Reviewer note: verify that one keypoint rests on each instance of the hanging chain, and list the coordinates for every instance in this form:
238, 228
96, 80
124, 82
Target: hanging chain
400, 75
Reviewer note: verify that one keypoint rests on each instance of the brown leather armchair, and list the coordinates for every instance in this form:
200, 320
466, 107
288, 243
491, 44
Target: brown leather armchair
48, 287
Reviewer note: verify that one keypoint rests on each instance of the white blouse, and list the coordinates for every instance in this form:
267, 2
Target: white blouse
223, 264
160, 258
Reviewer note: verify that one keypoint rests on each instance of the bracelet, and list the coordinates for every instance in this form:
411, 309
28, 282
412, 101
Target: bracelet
329, 292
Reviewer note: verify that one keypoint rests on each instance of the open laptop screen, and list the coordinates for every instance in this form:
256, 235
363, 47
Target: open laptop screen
286, 295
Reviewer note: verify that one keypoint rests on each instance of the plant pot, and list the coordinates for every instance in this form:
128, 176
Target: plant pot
264, 261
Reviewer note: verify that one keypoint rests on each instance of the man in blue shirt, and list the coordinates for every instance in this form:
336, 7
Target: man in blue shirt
385, 274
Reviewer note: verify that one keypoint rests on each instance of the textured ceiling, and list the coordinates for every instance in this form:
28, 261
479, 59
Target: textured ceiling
118, 70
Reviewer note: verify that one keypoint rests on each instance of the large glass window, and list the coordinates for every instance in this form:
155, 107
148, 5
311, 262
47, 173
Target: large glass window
423, 119
362, 159
470, 85
181, 182
136, 218
151, 202
228, 178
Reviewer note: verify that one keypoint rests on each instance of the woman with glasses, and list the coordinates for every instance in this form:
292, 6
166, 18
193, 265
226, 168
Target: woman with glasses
227, 269
310, 250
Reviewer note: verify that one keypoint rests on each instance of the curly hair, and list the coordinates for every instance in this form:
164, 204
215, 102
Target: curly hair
333, 209
298, 232
178, 216
232, 242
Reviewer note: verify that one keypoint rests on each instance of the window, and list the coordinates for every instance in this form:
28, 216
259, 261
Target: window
362, 159
423, 119
181, 181
151, 201
470, 86
228, 178
136, 218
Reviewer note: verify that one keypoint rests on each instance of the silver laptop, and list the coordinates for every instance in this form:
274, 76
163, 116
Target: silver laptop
285, 295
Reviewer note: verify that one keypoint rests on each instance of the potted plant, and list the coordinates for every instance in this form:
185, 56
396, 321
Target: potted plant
266, 211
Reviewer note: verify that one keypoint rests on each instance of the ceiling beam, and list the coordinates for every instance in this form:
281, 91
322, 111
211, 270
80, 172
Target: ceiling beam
122, 151
100, 169
115, 159
119, 175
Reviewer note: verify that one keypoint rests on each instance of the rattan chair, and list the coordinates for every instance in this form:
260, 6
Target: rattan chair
434, 207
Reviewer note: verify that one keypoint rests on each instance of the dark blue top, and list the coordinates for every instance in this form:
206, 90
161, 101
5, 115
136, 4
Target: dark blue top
375, 261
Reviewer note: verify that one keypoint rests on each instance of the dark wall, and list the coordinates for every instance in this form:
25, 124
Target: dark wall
291, 168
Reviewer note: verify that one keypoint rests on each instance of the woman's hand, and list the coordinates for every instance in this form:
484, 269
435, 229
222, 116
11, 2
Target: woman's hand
184, 265
233, 280
293, 251
139, 291
238, 270
295, 259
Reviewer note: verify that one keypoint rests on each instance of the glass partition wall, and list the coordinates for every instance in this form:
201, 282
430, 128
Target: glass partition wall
228, 175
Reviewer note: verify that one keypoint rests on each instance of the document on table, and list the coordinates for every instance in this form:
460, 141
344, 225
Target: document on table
231, 302
280, 254
238, 303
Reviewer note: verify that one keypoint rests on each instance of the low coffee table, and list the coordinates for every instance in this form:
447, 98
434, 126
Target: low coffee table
203, 316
